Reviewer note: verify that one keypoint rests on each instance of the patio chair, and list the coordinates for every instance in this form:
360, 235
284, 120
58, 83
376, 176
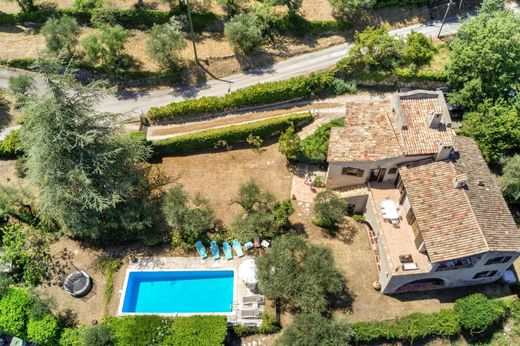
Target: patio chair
265, 244
214, 250
238, 248
257, 241
248, 245
227, 250
250, 313
201, 249
252, 300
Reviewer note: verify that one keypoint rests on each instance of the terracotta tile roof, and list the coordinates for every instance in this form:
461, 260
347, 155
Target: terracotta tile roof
459, 222
444, 216
368, 134
411, 117
485, 198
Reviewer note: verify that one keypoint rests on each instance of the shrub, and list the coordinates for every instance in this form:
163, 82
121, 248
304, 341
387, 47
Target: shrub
107, 48
61, 36
10, 146
510, 179
87, 5
255, 141
165, 43
418, 50
72, 337
358, 218
99, 335
476, 312
197, 330
289, 143
349, 8
231, 7
21, 86
329, 209
28, 250
314, 147
314, 329
244, 32
415, 326
136, 330
316, 84
44, 332
281, 214
14, 309
231, 134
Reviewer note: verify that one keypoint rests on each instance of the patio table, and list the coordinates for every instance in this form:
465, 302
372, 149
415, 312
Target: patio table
389, 210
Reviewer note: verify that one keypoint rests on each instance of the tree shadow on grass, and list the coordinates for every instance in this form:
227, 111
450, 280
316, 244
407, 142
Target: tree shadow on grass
344, 300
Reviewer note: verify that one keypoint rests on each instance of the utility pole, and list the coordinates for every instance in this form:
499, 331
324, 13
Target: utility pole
460, 4
192, 33
444, 19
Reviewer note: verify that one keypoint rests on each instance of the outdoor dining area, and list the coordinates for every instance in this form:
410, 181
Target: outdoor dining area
390, 211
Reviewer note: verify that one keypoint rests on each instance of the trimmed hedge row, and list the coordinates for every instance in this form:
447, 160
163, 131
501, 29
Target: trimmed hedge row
472, 314
129, 19
231, 135
390, 3
316, 84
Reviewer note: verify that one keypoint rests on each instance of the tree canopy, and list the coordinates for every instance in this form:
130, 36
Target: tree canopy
244, 32
92, 180
61, 36
314, 329
107, 48
511, 179
495, 127
191, 219
297, 273
166, 43
329, 209
485, 59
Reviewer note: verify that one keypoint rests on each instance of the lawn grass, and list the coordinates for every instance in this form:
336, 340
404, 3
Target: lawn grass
440, 58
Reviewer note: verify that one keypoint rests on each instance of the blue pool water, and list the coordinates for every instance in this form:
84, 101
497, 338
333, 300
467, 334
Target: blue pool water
179, 292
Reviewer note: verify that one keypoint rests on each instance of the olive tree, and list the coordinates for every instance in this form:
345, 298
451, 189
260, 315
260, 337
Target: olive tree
329, 209
166, 42
244, 32
299, 274
190, 221
26, 5
61, 36
292, 5
349, 8
107, 48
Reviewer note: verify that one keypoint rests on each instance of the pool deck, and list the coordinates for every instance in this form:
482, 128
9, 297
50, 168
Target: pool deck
240, 290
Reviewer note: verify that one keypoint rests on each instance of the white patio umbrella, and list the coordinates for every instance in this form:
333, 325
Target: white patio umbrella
247, 272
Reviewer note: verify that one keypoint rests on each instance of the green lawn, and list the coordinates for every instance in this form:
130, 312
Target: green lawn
439, 60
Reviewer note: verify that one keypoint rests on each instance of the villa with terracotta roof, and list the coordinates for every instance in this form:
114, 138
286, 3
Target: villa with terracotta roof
435, 213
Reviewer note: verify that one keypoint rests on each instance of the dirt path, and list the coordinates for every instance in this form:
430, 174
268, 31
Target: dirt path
325, 110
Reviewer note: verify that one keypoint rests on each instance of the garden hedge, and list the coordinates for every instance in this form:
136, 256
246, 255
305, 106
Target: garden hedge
474, 314
127, 18
316, 84
231, 135
197, 330
136, 330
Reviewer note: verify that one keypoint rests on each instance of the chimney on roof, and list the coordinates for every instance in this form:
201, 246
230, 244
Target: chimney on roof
460, 181
444, 152
434, 119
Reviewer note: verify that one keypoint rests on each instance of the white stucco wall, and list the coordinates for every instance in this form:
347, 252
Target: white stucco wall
452, 278
335, 179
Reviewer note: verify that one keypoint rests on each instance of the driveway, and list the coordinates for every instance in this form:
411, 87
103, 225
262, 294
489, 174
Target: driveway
133, 104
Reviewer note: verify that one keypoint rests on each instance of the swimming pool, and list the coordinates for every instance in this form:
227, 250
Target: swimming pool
168, 292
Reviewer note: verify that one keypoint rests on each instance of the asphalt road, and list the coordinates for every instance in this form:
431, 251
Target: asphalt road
132, 104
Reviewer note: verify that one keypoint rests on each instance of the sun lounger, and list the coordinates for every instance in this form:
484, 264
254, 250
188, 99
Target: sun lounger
238, 248
252, 300
250, 313
214, 250
201, 249
227, 250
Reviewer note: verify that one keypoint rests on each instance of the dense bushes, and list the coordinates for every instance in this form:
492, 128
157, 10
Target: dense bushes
231, 135
197, 330
10, 146
44, 331
473, 314
14, 310
136, 330
316, 84
476, 312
